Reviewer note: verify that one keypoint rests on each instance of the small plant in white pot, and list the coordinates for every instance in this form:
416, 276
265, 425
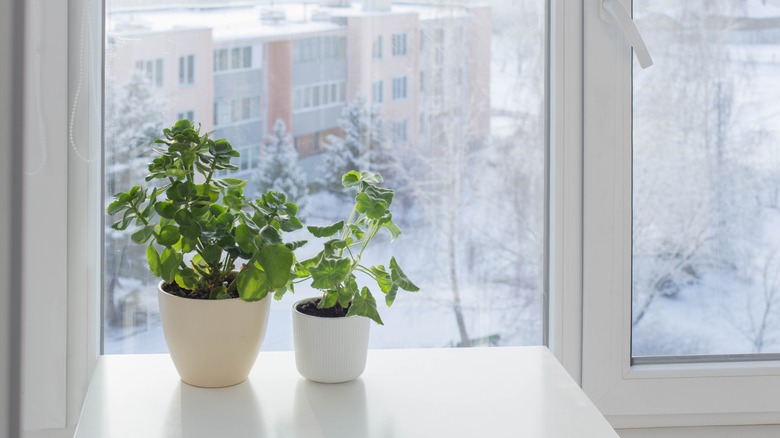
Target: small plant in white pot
331, 332
197, 227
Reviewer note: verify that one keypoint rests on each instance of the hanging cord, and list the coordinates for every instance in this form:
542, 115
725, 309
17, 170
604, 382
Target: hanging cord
85, 27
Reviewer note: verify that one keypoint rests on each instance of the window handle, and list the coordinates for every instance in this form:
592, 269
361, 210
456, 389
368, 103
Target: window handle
618, 12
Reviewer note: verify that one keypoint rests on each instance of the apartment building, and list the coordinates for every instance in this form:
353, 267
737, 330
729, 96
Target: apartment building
236, 69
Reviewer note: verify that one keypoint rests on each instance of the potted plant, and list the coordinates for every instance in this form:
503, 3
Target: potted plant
331, 332
197, 226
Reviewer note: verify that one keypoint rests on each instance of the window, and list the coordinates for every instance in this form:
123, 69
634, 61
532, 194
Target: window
319, 48
399, 44
236, 58
153, 69
376, 48
377, 91
189, 115
711, 263
187, 69
400, 129
399, 88
318, 96
325, 110
220, 60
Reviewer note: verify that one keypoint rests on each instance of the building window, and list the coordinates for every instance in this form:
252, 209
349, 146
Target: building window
187, 70
220, 60
376, 48
236, 58
189, 115
399, 44
319, 48
318, 96
153, 69
377, 91
399, 88
400, 131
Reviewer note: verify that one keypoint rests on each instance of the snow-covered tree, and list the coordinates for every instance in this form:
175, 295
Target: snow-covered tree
133, 121
279, 169
361, 143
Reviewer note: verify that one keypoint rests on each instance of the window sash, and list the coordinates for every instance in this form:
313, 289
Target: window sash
638, 395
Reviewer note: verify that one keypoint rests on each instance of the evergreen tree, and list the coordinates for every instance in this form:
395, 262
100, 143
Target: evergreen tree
279, 169
133, 122
360, 147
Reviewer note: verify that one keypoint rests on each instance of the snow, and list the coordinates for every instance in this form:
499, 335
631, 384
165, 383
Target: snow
722, 301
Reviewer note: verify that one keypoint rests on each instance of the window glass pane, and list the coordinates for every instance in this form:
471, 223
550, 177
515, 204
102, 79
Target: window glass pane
469, 184
706, 245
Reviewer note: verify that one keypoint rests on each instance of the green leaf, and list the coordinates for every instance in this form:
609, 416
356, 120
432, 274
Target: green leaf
250, 283
390, 296
165, 209
153, 258
185, 278
302, 269
380, 193
142, 235
369, 177
291, 224
176, 173
245, 238
211, 254
219, 293
357, 231
115, 207
169, 261
279, 293
392, 228
364, 304
191, 232
350, 179
374, 208
326, 231
347, 293
382, 277
233, 202
400, 278
276, 261
329, 273
295, 245
234, 182
271, 235
328, 300
169, 235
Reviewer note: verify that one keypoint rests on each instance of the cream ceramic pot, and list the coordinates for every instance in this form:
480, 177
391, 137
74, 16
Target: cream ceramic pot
330, 350
213, 343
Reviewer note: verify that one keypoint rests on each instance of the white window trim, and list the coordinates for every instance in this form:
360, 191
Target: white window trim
648, 395
589, 241
64, 112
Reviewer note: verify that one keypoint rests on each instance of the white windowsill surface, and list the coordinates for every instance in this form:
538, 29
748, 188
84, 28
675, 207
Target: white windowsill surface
496, 392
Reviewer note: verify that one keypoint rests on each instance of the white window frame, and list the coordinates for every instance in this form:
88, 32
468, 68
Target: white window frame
707, 394
587, 237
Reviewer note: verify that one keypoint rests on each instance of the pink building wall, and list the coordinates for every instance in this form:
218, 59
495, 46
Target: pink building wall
125, 48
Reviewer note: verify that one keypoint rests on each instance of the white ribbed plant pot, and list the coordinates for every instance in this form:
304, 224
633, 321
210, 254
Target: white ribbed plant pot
330, 350
213, 343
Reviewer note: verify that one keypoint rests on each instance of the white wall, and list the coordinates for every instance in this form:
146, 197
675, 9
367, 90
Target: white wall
10, 31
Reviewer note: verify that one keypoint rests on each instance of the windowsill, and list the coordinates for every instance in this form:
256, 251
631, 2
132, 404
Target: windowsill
496, 392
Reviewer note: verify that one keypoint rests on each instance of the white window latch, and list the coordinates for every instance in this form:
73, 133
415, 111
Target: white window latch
618, 12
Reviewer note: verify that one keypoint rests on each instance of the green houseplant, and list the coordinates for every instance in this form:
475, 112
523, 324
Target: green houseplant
331, 332
197, 226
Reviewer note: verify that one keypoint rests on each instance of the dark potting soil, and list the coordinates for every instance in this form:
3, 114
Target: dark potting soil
198, 294
310, 308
